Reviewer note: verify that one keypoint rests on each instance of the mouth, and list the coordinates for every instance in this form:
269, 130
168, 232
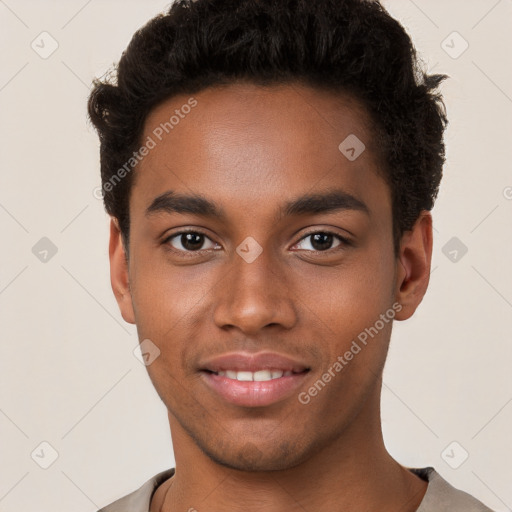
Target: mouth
262, 375
259, 388
253, 379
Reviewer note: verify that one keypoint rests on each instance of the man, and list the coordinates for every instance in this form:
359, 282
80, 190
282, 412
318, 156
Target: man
270, 168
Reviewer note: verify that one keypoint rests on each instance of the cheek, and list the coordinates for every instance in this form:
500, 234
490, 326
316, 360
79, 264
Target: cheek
165, 296
350, 296
347, 311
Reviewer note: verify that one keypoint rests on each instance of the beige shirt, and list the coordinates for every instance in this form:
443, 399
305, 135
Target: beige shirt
440, 495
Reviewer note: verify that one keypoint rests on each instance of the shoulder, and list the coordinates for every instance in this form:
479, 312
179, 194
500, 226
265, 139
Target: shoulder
140, 499
441, 496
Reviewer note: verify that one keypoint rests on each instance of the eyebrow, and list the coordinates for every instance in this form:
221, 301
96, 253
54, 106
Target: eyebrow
196, 204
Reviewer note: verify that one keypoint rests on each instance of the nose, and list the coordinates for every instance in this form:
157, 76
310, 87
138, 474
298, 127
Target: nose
254, 295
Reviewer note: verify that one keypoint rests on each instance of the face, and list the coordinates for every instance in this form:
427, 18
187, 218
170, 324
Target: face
251, 266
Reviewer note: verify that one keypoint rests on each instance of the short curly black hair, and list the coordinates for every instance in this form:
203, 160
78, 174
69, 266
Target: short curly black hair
350, 46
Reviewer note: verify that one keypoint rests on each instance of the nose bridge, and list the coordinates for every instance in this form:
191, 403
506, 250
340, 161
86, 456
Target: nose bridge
254, 293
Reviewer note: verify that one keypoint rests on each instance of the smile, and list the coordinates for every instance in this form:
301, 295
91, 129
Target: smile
253, 389
257, 376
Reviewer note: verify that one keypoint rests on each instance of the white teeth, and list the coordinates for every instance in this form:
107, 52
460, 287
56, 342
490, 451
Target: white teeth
262, 375
259, 376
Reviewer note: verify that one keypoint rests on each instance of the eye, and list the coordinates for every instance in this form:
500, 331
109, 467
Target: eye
189, 241
194, 241
321, 241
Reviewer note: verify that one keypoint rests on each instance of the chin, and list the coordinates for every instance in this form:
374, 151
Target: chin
250, 458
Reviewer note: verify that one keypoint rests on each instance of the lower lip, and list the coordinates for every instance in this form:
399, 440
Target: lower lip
254, 393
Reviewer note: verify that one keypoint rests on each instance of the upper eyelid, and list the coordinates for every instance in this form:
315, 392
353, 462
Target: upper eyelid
167, 239
342, 239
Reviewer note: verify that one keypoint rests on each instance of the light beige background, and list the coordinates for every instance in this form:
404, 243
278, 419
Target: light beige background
68, 374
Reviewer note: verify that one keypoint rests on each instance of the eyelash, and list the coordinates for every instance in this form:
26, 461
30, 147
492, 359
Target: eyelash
344, 242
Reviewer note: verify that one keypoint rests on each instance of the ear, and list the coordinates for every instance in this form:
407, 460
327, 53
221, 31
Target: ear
119, 277
413, 266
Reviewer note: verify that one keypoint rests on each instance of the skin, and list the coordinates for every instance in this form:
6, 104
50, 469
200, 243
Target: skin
250, 149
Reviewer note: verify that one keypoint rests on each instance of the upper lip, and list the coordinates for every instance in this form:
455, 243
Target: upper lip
246, 361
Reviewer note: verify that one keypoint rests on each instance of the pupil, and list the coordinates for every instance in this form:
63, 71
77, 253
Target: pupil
191, 241
321, 241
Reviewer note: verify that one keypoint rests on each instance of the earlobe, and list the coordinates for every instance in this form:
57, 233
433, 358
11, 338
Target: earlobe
119, 275
413, 266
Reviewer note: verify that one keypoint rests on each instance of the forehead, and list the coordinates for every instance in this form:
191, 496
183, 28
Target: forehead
243, 140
